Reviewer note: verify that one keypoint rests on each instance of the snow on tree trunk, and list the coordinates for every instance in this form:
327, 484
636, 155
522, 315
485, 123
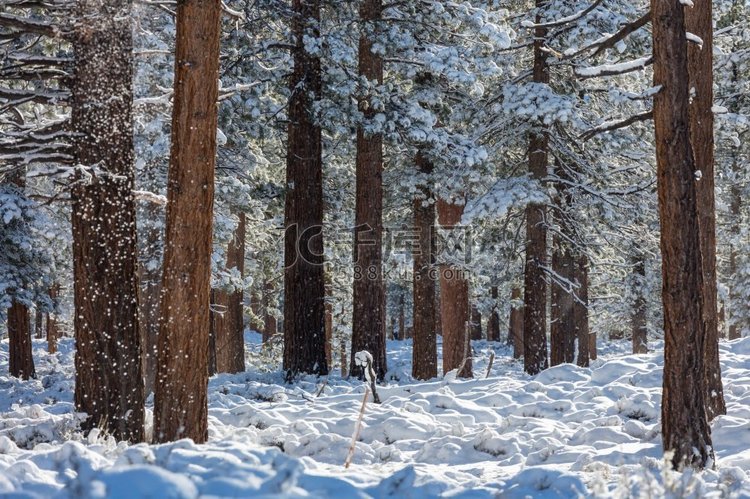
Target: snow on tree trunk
424, 349
304, 282
109, 382
180, 401
685, 429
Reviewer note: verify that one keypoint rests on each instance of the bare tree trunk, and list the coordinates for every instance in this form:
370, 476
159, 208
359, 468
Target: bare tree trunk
109, 381
368, 327
735, 299
515, 330
586, 340
21, 359
402, 318
269, 327
493, 323
304, 280
38, 322
344, 359
562, 323
230, 327
181, 398
454, 302
424, 350
639, 330
685, 428
53, 331
698, 20
212, 313
535, 279
476, 323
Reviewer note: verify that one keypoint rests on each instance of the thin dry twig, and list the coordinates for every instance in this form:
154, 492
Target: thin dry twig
357, 429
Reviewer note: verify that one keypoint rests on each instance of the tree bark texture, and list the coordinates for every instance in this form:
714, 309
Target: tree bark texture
304, 280
424, 350
685, 429
53, 329
21, 359
109, 382
698, 20
535, 278
454, 302
229, 327
180, 402
368, 319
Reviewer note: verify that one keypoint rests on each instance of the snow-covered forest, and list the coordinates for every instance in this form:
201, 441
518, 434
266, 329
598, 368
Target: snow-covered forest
365, 248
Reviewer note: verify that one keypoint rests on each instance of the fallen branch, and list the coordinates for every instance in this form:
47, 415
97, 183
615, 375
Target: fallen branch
489, 365
357, 430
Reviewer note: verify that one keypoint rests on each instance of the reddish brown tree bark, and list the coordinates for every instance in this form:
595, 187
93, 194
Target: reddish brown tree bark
424, 350
685, 429
368, 320
180, 402
109, 382
53, 331
229, 327
21, 359
535, 278
454, 302
698, 20
304, 280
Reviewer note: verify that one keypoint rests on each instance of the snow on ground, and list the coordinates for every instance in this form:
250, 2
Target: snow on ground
567, 432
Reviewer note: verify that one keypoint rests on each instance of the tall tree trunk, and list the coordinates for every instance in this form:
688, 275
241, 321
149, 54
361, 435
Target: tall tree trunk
515, 329
329, 325
53, 331
304, 280
562, 324
368, 321
476, 323
212, 313
402, 318
454, 302
493, 323
109, 382
638, 323
230, 326
38, 322
269, 322
698, 20
586, 340
181, 399
21, 359
424, 350
535, 279
685, 428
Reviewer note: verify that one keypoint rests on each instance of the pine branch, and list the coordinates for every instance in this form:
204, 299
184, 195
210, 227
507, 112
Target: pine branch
608, 127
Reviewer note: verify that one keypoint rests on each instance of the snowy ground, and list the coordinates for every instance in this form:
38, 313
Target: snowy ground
567, 432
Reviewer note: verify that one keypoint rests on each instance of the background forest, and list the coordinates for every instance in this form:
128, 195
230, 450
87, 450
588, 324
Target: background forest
460, 177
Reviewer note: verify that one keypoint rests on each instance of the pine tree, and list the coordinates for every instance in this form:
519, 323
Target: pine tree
304, 281
368, 328
109, 383
181, 399
685, 429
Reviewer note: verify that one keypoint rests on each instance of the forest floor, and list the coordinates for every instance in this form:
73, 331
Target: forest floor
567, 432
